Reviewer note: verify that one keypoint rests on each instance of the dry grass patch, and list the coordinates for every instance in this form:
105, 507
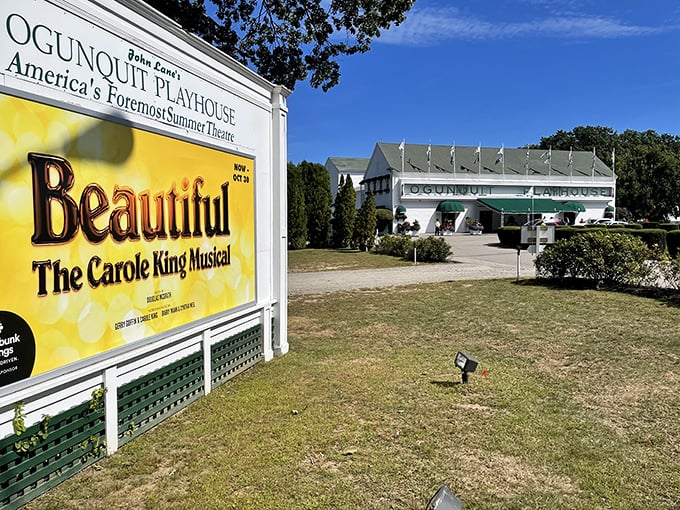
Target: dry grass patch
302, 261
507, 477
580, 410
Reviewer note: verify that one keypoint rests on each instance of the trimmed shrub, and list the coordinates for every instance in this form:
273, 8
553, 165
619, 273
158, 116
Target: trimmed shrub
395, 246
669, 227
383, 219
509, 236
430, 249
673, 243
600, 257
634, 226
382, 214
568, 232
655, 239
651, 224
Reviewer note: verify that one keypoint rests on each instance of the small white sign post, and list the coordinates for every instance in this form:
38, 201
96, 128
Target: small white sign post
537, 236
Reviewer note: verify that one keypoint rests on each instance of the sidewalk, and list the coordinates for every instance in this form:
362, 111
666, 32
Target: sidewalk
474, 258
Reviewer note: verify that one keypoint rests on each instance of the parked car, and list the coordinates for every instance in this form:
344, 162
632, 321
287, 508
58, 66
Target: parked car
609, 221
551, 221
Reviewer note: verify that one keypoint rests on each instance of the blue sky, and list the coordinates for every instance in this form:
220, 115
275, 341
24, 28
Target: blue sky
498, 72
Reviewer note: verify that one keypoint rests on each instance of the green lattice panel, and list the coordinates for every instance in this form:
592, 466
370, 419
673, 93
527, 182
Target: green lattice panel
236, 354
273, 331
145, 402
75, 439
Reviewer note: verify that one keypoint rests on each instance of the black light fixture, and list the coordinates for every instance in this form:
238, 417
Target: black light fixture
467, 365
444, 499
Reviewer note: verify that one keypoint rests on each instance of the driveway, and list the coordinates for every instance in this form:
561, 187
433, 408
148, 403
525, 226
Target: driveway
474, 258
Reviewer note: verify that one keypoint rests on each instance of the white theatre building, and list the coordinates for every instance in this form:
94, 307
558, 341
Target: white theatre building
496, 186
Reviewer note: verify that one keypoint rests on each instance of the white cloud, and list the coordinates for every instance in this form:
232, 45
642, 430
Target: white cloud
429, 26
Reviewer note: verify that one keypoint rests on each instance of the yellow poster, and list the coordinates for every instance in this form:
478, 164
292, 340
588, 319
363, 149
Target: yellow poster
112, 234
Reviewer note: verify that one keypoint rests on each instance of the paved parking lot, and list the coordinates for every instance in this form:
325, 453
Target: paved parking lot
474, 258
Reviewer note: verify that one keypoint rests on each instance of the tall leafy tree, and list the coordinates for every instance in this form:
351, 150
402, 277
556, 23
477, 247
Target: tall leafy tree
297, 216
287, 41
344, 214
364, 227
649, 182
647, 166
584, 138
335, 230
317, 203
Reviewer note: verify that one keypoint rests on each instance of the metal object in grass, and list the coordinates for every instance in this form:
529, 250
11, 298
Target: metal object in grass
467, 365
444, 499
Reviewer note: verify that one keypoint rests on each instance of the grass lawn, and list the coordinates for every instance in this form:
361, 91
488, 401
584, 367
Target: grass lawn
580, 409
300, 261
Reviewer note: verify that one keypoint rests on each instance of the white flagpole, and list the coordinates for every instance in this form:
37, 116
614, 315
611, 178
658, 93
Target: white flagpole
548, 159
401, 154
526, 163
478, 152
429, 157
592, 167
571, 162
501, 158
453, 157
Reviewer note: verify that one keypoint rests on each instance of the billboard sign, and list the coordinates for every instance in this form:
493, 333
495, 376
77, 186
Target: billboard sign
127, 186
112, 234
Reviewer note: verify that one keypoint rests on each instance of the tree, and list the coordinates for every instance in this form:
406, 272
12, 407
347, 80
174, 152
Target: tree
649, 182
287, 41
584, 138
317, 202
335, 230
297, 216
647, 166
364, 227
344, 214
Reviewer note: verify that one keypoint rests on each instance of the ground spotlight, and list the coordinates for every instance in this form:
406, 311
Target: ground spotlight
467, 365
444, 499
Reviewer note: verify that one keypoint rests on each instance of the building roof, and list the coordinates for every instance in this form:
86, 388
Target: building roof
350, 165
512, 163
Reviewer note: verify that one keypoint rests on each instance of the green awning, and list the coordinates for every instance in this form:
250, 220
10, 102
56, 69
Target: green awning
400, 209
573, 207
522, 205
450, 206
609, 208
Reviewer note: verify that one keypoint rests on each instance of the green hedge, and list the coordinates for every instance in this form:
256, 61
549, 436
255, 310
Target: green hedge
569, 232
653, 238
510, 237
669, 227
673, 243
651, 224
